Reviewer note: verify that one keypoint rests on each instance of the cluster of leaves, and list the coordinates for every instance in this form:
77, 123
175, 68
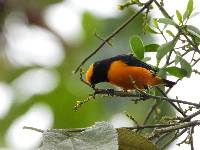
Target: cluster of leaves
166, 49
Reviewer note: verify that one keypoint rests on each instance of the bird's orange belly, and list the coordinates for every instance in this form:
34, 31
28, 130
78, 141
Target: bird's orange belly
128, 77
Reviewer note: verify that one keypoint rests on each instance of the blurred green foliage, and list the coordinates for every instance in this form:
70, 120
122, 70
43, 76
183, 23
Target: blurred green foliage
70, 89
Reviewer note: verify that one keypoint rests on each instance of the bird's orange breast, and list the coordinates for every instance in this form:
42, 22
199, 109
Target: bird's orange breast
127, 77
89, 73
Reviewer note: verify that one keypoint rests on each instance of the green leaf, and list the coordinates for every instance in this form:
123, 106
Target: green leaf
130, 140
151, 47
155, 23
176, 61
170, 33
193, 30
149, 29
188, 10
162, 73
167, 21
164, 49
179, 16
177, 72
185, 65
137, 46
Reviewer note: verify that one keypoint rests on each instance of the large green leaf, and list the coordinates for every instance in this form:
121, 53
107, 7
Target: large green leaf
137, 46
177, 72
164, 49
129, 140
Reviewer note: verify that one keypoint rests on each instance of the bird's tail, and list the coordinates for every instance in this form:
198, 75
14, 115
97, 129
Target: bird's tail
168, 83
157, 81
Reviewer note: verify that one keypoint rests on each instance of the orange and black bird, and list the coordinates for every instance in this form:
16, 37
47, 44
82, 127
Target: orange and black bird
125, 71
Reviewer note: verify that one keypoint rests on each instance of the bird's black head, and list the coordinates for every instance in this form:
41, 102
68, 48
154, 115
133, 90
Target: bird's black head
98, 72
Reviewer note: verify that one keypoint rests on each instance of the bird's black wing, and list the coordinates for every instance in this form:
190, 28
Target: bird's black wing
133, 61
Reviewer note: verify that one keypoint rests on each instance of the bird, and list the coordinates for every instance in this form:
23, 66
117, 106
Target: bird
125, 71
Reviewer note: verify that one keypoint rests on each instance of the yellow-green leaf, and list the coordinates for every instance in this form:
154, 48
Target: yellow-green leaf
179, 16
188, 10
155, 23
149, 29
170, 33
129, 140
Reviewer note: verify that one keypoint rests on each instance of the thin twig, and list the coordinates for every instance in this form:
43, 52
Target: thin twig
56, 130
192, 57
174, 138
195, 62
100, 38
132, 118
176, 127
161, 32
151, 126
34, 129
191, 116
162, 9
150, 112
196, 49
177, 108
196, 71
164, 136
181, 56
191, 139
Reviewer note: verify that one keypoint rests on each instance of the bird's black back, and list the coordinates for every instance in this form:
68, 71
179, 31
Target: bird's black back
133, 61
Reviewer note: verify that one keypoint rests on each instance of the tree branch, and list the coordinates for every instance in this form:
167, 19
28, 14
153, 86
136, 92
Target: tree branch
144, 96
